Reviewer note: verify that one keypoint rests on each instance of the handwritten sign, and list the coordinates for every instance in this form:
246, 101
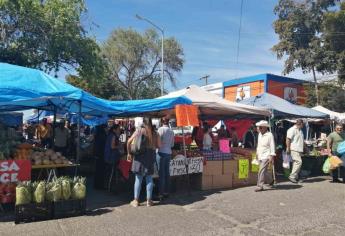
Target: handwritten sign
178, 165
187, 115
12, 171
243, 168
224, 145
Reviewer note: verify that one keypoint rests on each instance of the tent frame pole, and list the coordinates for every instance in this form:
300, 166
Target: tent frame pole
78, 136
54, 127
186, 159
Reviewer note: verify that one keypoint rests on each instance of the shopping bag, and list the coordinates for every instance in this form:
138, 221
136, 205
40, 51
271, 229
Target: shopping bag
335, 162
341, 148
286, 157
255, 165
326, 166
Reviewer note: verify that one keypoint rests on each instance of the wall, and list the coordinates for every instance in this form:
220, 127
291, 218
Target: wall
277, 89
256, 88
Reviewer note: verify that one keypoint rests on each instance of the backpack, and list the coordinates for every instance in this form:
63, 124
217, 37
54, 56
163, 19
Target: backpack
139, 144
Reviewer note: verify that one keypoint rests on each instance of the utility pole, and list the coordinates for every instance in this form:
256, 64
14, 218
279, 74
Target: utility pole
205, 78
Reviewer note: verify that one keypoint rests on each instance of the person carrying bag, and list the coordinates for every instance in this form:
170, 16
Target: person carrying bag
142, 152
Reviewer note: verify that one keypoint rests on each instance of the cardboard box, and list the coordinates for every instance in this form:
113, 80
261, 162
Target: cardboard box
253, 178
213, 168
222, 181
236, 182
206, 182
230, 167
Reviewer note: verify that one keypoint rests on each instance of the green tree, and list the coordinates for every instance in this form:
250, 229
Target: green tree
299, 27
332, 96
334, 34
133, 61
46, 34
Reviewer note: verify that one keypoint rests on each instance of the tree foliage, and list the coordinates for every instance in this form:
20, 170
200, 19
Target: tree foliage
334, 34
46, 34
301, 37
133, 60
332, 96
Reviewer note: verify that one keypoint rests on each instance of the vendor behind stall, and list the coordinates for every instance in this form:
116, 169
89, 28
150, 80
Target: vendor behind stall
44, 133
223, 133
207, 140
233, 137
61, 138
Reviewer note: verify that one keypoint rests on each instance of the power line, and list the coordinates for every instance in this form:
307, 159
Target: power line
239, 37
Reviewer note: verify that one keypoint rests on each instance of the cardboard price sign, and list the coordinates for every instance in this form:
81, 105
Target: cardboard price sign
243, 168
178, 165
186, 115
12, 171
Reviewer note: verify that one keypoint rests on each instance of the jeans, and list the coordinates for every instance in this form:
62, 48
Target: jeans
164, 172
137, 186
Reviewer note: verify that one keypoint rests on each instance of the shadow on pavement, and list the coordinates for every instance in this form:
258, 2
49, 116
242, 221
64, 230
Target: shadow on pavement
314, 180
286, 187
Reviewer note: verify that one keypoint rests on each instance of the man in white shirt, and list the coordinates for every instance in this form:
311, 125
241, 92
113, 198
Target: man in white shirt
167, 142
265, 153
295, 147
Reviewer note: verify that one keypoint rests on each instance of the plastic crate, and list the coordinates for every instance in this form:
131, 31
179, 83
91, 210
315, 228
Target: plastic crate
33, 212
69, 208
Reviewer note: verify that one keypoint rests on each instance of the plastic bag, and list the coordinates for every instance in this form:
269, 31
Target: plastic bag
39, 191
335, 162
287, 157
341, 148
326, 166
54, 191
66, 189
23, 193
79, 188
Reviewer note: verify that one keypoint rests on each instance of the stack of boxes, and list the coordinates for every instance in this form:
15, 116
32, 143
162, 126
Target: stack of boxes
219, 174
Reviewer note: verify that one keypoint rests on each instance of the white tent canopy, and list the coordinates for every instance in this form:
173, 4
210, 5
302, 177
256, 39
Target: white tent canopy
332, 114
211, 105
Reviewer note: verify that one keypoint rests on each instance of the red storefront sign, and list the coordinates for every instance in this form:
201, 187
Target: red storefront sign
12, 171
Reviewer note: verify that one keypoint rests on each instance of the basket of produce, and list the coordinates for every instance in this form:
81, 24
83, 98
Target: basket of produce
30, 203
73, 202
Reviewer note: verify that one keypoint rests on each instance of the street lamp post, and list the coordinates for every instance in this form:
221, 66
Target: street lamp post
162, 65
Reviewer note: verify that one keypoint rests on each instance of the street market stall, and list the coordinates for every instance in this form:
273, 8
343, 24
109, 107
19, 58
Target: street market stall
282, 110
24, 88
224, 168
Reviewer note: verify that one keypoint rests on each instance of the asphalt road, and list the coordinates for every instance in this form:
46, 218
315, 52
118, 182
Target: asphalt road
316, 207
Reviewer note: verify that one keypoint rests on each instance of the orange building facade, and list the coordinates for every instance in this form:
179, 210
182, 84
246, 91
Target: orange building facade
283, 87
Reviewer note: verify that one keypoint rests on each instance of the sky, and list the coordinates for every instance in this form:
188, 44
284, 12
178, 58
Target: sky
206, 29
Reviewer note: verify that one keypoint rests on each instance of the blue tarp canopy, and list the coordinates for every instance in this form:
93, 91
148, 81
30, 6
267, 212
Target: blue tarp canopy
282, 108
11, 118
23, 88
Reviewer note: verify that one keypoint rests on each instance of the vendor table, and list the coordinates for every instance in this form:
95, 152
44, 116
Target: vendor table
51, 169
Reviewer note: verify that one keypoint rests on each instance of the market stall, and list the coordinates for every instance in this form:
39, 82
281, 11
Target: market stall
283, 110
223, 167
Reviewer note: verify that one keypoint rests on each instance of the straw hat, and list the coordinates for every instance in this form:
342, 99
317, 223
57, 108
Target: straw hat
262, 123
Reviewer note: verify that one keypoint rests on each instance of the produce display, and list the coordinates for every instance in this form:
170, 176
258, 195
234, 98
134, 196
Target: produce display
242, 151
7, 192
8, 142
190, 153
47, 157
63, 188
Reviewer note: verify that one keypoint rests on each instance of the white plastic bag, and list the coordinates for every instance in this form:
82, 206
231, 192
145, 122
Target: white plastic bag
286, 160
